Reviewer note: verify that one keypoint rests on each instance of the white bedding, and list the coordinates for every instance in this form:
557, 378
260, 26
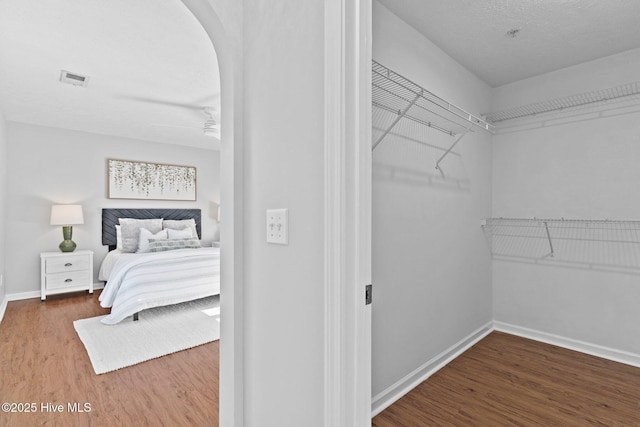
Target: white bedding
140, 281
109, 261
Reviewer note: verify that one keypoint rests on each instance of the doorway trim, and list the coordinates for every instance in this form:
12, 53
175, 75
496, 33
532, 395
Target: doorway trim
347, 195
231, 382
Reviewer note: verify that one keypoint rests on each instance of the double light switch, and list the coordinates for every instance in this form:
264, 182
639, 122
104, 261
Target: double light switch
278, 226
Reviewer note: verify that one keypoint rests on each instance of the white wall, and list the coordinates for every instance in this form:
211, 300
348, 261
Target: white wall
3, 202
283, 149
431, 266
55, 166
585, 169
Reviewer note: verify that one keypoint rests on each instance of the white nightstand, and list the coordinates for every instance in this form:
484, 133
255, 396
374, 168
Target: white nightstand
66, 272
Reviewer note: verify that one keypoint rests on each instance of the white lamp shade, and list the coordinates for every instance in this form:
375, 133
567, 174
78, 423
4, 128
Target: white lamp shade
66, 215
214, 210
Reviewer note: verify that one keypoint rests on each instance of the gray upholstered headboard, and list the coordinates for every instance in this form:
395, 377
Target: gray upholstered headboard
110, 219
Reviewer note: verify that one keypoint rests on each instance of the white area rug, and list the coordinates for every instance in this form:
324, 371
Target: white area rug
158, 332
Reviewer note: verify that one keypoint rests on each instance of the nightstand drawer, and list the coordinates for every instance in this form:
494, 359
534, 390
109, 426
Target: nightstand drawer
70, 263
67, 279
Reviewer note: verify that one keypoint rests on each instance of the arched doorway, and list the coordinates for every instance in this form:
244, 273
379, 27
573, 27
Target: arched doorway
346, 64
231, 350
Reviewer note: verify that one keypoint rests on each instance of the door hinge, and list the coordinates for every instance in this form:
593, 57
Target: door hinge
368, 294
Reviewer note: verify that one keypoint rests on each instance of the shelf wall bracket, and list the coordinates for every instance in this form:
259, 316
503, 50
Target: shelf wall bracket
546, 227
451, 148
401, 114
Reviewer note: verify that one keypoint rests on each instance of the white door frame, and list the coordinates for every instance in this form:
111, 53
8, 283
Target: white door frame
347, 194
348, 162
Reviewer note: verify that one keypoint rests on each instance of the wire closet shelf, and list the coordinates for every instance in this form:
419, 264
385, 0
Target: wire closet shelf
627, 91
406, 100
603, 244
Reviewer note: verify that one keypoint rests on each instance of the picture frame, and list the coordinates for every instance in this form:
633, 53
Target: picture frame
128, 179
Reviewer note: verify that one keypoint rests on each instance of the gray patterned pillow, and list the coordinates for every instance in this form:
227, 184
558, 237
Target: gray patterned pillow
130, 229
161, 245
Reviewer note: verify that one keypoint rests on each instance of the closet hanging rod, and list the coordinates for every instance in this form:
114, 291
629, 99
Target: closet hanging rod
567, 221
392, 99
415, 119
395, 122
617, 93
446, 153
592, 243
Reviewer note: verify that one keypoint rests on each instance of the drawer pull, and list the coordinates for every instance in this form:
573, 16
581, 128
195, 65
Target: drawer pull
68, 280
68, 264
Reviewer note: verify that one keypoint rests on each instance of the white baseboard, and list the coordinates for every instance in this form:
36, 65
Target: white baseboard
23, 295
36, 294
28, 295
394, 392
571, 344
3, 307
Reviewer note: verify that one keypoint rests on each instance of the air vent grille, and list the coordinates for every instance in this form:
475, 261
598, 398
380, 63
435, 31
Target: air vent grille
73, 78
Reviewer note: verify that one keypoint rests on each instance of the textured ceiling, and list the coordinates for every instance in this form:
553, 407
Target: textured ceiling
552, 34
136, 53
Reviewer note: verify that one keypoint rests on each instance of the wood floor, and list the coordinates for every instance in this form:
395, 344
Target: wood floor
43, 361
510, 381
501, 381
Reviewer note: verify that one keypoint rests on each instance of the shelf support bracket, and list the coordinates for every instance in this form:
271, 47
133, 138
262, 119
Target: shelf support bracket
546, 227
452, 145
401, 114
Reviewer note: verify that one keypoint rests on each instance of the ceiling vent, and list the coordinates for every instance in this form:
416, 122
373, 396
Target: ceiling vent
74, 78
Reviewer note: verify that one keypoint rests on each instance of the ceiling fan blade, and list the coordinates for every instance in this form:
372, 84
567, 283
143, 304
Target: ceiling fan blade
176, 126
197, 107
208, 130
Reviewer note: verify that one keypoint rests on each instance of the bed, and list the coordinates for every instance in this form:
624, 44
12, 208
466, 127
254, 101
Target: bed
166, 267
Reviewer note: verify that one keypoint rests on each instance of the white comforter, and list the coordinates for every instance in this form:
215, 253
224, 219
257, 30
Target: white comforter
158, 279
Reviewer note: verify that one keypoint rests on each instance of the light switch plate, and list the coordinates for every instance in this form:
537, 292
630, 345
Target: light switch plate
278, 226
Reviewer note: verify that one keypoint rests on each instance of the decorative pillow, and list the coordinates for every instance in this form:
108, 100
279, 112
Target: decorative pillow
146, 235
118, 238
130, 228
161, 245
185, 233
181, 224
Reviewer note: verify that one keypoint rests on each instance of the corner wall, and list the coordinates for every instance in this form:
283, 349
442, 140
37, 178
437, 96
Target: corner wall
57, 166
575, 169
431, 265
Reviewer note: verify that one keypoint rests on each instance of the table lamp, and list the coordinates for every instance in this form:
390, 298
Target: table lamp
67, 216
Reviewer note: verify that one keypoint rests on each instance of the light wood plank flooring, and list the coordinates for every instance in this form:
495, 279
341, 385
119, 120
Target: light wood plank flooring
42, 360
510, 381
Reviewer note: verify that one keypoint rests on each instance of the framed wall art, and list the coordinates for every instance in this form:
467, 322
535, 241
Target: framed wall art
150, 181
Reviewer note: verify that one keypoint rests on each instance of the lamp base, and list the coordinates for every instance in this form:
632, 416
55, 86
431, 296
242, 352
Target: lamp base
67, 244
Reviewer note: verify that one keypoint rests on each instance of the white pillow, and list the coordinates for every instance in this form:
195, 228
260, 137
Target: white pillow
185, 233
145, 235
118, 238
